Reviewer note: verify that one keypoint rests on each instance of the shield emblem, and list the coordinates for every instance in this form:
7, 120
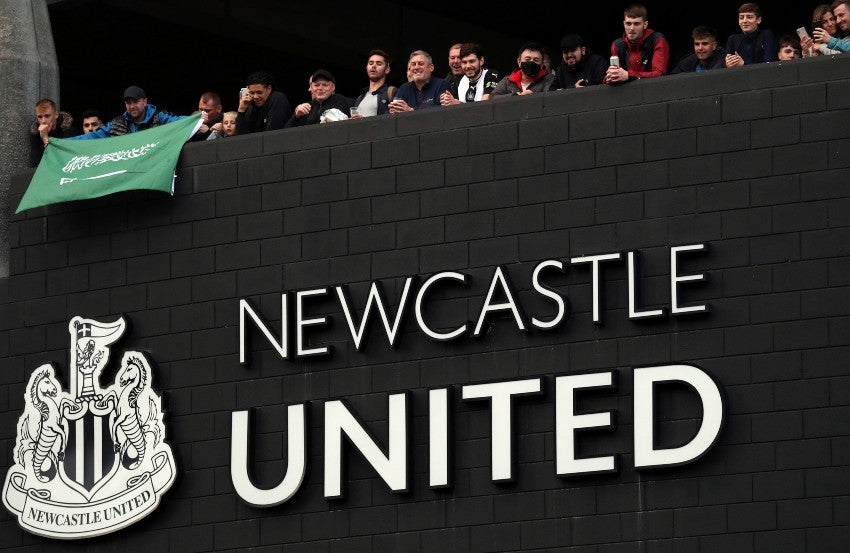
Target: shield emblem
89, 456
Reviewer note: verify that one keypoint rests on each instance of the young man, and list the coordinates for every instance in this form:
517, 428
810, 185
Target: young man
643, 53
139, 115
752, 44
707, 55
477, 82
375, 98
92, 120
49, 122
323, 97
529, 77
262, 108
424, 90
581, 67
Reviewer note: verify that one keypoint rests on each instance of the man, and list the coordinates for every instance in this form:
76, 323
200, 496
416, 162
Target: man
455, 65
841, 10
424, 90
643, 53
92, 120
530, 75
210, 104
581, 67
139, 115
477, 82
375, 98
706, 54
752, 44
261, 108
323, 98
49, 122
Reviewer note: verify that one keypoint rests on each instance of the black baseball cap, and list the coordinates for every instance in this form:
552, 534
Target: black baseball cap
571, 42
134, 93
322, 75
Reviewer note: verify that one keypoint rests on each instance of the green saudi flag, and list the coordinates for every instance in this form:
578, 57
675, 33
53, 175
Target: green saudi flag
83, 169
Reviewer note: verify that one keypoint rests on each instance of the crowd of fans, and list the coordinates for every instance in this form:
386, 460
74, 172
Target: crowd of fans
640, 53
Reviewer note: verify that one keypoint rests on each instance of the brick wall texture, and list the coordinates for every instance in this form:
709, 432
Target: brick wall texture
753, 162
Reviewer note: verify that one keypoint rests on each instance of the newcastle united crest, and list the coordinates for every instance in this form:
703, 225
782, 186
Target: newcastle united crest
92, 460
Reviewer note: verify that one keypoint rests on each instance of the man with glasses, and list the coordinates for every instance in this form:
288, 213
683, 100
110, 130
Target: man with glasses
261, 108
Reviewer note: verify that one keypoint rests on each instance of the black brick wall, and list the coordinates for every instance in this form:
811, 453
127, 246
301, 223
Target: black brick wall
753, 162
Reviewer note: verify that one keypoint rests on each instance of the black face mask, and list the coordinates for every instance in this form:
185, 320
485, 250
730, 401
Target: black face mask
530, 68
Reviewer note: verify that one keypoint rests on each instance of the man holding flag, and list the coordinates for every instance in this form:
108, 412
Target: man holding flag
142, 155
139, 116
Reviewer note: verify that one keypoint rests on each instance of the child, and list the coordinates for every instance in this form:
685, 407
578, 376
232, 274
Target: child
753, 45
789, 48
226, 128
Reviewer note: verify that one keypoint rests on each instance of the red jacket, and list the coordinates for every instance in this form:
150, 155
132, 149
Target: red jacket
655, 67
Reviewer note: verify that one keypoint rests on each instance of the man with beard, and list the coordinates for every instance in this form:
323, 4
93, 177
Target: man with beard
424, 90
261, 107
140, 115
323, 97
477, 82
375, 98
643, 53
707, 55
581, 67
529, 77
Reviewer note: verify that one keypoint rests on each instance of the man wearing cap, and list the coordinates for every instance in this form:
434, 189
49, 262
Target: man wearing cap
323, 98
581, 67
140, 115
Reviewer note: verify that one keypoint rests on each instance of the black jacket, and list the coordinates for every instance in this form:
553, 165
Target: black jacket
689, 63
270, 116
591, 68
337, 101
383, 98
64, 129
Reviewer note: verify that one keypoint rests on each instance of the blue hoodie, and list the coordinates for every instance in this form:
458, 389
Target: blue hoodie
105, 131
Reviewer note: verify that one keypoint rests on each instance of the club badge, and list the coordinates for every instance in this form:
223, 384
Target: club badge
94, 459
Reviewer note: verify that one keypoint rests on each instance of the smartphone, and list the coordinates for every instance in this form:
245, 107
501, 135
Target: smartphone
243, 91
615, 61
802, 33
